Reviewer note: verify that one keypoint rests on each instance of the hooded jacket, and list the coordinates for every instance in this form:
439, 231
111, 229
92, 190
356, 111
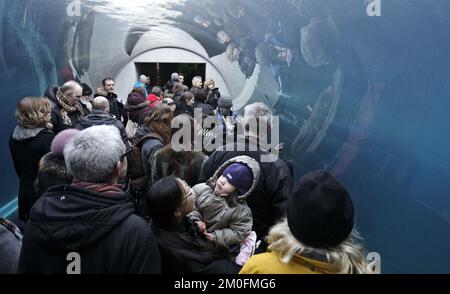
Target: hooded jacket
27, 147
228, 217
99, 118
268, 200
103, 230
269, 263
10, 245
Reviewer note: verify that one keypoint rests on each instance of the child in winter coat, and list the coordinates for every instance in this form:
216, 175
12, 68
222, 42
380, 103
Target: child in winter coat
220, 208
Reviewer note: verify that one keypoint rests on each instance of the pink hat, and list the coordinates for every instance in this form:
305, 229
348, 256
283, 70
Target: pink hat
60, 141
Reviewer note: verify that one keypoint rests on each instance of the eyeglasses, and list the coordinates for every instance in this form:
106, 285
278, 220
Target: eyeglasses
123, 156
187, 190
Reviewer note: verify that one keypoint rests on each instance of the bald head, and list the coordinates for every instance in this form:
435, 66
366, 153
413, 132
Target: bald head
70, 86
73, 91
101, 103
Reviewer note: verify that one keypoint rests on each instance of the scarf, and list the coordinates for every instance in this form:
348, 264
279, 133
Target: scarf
105, 189
64, 104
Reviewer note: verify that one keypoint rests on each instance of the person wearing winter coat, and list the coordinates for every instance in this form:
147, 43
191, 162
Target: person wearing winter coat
116, 107
185, 104
200, 103
220, 203
85, 99
155, 97
142, 83
154, 134
10, 245
174, 78
89, 227
197, 84
100, 116
318, 235
30, 141
66, 107
136, 107
213, 94
184, 250
184, 164
227, 117
52, 167
268, 200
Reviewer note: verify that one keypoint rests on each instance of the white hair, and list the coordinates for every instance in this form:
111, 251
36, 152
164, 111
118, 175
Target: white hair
196, 79
347, 257
143, 79
257, 113
92, 155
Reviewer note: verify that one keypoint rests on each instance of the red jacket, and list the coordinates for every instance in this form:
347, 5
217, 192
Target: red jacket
154, 100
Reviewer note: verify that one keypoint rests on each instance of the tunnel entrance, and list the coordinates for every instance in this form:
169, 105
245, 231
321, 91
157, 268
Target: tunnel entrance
160, 72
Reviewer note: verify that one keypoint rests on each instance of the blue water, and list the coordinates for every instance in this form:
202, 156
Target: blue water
367, 98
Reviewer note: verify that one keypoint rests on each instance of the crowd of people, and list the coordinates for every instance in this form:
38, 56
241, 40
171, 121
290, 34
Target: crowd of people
102, 179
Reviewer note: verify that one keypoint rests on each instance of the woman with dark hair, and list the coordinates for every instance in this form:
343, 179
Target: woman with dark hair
178, 90
185, 164
30, 141
200, 103
185, 104
85, 99
183, 249
154, 134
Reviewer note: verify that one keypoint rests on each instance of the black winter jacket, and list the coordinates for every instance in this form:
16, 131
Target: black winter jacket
268, 200
116, 107
27, 147
103, 230
57, 120
99, 118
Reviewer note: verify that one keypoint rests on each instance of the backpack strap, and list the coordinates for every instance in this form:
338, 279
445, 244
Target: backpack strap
150, 135
11, 228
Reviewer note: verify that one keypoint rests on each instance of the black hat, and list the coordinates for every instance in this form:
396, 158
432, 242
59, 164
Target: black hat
320, 212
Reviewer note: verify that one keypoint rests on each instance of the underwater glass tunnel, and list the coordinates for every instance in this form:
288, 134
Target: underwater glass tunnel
361, 90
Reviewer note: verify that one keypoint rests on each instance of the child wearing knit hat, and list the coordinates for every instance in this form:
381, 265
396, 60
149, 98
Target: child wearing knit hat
220, 208
52, 167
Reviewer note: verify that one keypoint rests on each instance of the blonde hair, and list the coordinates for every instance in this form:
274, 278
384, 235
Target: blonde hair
207, 83
347, 257
33, 112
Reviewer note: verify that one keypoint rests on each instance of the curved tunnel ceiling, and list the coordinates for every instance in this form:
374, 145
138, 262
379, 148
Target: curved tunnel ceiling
363, 97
